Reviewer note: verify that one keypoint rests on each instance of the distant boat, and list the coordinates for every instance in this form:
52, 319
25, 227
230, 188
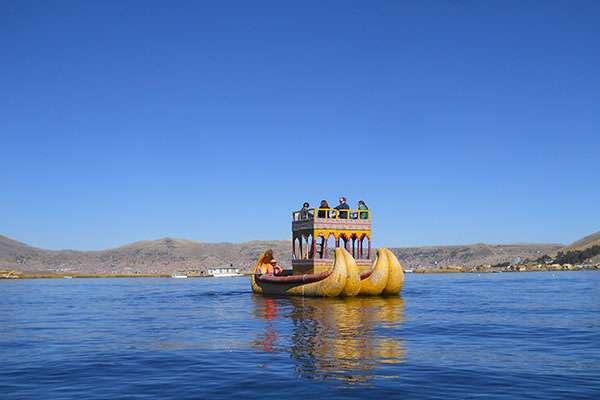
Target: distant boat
68, 277
179, 276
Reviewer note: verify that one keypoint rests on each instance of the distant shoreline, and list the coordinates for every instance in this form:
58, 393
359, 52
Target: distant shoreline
163, 257
437, 270
27, 275
509, 268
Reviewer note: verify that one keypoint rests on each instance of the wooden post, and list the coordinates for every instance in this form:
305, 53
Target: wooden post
360, 248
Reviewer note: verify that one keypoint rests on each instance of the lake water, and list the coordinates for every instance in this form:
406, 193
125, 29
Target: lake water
511, 335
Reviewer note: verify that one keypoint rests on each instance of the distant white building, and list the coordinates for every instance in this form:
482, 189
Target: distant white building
225, 271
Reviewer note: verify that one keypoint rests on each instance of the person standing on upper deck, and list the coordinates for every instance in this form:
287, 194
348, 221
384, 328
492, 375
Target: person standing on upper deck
304, 213
342, 206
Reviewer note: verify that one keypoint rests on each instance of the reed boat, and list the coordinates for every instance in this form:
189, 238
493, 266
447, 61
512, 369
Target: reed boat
343, 279
319, 234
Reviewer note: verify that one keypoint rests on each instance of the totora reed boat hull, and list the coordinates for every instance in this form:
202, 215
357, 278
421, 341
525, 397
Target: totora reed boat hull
329, 284
343, 279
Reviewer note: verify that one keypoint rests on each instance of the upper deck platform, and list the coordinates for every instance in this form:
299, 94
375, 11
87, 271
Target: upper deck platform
331, 219
316, 232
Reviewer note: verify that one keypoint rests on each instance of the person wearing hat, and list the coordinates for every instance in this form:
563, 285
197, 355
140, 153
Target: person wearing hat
273, 268
304, 212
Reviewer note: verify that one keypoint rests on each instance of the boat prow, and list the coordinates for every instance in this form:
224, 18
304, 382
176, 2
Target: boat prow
396, 275
352, 286
375, 280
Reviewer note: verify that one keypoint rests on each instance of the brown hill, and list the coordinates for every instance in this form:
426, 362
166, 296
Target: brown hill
10, 247
582, 244
152, 256
168, 255
582, 251
471, 255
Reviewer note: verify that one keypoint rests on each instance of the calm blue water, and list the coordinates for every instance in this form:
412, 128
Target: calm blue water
520, 335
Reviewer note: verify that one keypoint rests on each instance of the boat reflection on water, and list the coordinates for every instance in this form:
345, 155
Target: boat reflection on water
345, 338
267, 310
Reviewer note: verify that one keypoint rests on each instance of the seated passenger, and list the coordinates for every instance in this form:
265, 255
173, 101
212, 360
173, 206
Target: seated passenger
274, 269
342, 206
363, 206
323, 213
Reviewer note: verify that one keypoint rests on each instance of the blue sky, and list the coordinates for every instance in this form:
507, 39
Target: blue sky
457, 122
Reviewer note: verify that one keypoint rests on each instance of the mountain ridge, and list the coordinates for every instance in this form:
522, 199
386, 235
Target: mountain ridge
169, 254
584, 243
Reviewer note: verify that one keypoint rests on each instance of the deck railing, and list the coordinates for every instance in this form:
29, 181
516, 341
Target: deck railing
330, 213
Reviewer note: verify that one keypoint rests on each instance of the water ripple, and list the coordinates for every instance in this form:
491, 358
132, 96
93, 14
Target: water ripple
448, 336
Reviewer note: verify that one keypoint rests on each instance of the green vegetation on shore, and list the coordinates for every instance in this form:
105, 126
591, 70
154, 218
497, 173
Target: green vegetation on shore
577, 256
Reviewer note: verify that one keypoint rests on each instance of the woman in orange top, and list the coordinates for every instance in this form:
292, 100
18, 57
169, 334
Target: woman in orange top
273, 268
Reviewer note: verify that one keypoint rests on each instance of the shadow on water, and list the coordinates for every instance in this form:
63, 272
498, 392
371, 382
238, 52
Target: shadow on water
342, 338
